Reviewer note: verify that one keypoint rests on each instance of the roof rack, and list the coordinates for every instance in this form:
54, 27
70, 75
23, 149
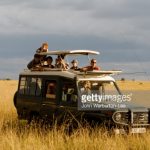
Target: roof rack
97, 72
70, 52
94, 73
47, 69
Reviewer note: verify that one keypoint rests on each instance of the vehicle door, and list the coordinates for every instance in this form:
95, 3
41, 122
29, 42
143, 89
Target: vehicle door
29, 94
68, 103
50, 96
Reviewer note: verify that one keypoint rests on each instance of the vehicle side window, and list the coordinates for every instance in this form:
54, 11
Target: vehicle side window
69, 93
30, 86
22, 86
51, 90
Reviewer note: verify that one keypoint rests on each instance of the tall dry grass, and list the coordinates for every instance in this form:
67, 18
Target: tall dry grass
15, 135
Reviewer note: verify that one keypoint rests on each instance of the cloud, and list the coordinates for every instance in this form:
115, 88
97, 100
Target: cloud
10, 68
119, 20
121, 9
23, 46
118, 28
130, 70
52, 4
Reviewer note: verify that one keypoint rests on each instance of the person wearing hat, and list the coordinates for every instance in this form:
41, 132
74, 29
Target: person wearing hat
75, 65
92, 67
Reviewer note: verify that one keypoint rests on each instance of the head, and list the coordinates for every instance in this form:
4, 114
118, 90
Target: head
51, 88
56, 60
61, 56
74, 63
87, 85
49, 60
93, 62
45, 47
59, 59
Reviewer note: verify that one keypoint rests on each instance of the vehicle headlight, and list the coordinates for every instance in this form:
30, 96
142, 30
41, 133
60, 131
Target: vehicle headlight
121, 117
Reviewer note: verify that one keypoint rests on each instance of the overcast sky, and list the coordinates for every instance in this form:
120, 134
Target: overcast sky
119, 29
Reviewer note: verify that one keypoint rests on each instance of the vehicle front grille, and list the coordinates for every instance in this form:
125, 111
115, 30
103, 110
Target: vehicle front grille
125, 117
140, 118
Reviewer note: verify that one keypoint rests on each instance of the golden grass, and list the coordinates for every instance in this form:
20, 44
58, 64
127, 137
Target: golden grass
134, 85
16, 135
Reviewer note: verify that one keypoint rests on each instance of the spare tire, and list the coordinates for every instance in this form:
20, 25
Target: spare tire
15, 98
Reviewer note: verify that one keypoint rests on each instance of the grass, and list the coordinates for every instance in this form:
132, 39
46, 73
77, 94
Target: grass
134, 85
17, 135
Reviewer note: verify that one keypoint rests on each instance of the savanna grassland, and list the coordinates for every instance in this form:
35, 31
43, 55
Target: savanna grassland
17, 135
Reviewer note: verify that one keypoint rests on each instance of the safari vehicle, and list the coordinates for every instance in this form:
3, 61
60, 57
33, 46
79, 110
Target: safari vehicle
53, 93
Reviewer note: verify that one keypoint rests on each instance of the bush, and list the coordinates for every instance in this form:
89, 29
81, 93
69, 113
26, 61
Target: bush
122, 79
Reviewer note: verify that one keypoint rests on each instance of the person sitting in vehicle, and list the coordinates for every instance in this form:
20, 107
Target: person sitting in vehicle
37, 61
60, 63
43, 48
75, 65
92, 67
51, 91
49, 61
87, 87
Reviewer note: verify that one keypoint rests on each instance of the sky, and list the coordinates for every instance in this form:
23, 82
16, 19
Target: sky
118, 29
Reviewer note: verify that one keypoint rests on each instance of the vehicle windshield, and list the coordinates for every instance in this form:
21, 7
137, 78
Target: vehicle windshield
98, 87
91, 93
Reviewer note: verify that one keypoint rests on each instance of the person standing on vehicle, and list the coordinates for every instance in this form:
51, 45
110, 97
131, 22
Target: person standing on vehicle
43, 48
38, 60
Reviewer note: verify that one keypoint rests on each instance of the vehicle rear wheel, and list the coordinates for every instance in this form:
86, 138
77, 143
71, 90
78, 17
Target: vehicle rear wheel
33, 118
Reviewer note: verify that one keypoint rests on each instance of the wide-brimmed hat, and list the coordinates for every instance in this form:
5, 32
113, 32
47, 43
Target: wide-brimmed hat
93, 60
